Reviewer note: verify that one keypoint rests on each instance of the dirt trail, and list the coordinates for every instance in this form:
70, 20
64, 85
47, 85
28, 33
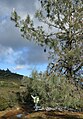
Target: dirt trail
10, 114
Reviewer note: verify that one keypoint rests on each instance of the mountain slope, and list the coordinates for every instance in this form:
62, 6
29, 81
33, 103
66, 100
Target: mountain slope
7, 74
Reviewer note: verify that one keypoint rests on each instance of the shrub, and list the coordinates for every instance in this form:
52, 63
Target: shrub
57, 91
3, 103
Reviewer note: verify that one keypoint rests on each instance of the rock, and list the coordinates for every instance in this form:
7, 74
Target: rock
19, 115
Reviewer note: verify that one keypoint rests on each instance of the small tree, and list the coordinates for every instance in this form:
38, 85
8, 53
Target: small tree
64, 21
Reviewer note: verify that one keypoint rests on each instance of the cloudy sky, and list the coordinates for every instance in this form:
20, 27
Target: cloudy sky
16, 53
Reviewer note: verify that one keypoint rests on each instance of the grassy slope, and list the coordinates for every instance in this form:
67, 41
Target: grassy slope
9, 85
9, 81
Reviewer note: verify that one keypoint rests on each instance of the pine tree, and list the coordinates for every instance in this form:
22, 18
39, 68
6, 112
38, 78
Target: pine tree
63, 20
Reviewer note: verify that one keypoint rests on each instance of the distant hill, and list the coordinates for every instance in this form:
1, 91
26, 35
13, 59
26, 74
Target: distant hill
7, 74
9, 86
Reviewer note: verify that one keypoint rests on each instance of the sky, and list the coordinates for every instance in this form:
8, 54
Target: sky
18, 54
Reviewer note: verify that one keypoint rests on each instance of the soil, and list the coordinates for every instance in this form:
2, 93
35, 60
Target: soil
26, 114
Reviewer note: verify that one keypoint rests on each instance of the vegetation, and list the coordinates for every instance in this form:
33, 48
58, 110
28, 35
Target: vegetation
3, 103
7, 99
54, 92
9, 86
62, 34
4, 74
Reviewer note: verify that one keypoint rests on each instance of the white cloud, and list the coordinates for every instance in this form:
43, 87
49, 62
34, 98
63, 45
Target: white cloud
19, 67
12, 45
6, 54
5, 51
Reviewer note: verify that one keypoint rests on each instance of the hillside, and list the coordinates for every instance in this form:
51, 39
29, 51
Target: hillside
9, 86
7, 74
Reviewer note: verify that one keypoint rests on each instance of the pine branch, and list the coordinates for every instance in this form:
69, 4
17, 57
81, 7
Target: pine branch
77, 69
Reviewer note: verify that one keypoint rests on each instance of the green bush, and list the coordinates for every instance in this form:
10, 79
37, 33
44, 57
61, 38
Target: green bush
8, 101
57, 91
3, 103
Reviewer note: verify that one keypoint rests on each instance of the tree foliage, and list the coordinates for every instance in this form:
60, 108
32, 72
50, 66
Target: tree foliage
53, 92
60, 29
